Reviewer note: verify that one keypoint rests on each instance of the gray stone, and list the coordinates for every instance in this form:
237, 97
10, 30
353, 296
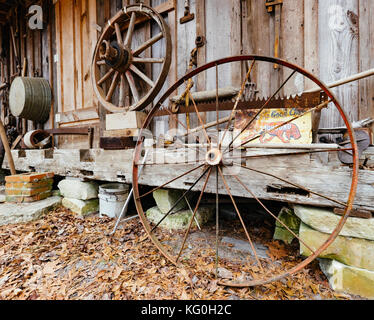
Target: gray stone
166, 198
181, 219
350, 251
11, 213
324, 220
289, 219
245, 247
81, 207
346, 279
75, 189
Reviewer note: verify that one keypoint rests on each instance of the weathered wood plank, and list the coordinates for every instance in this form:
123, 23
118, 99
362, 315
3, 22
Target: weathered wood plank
338, 53
324, 176
366, 59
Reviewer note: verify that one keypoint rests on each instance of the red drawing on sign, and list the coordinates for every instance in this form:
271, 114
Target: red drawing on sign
285, 133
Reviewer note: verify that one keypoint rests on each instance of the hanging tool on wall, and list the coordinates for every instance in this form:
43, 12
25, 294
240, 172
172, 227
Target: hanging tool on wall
275, 6
188, 16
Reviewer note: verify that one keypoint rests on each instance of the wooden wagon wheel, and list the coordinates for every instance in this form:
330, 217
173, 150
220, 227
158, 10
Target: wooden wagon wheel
119, 65
208, 173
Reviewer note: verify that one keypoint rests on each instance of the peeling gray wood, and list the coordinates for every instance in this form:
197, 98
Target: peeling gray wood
338, 51
322, 173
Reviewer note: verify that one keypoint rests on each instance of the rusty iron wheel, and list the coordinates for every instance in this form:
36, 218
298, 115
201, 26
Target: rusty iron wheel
126, 74
208, 173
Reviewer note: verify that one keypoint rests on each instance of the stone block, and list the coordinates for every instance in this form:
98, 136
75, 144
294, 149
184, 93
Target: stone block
350, 251
81, 207
75, 189
324, 220
11, 213
166, 198
347, 279
288, 217
181, 219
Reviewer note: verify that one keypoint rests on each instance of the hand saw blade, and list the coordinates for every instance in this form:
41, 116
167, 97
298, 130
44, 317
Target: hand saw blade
302, 101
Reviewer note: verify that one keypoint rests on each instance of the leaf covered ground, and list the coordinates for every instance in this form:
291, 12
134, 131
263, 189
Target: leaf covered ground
66, 258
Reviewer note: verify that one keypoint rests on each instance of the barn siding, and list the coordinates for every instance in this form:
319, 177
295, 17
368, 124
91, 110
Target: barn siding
332, 39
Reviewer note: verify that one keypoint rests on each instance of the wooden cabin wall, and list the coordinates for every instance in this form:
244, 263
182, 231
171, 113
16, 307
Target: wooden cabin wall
33, 49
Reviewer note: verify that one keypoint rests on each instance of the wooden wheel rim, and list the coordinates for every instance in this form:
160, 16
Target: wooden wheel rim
107, 34
355, 166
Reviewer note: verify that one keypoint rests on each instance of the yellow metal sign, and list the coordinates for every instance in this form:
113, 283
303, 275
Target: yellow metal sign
269, 126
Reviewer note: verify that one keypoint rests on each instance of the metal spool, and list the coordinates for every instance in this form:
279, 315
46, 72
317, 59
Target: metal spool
30, 98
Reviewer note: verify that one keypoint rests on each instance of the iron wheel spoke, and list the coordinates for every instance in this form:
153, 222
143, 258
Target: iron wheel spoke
261, 109
240, 218
194, 214
317, 108
291, 183
240, 94
291, 153
180, 199
272, 214
170, 181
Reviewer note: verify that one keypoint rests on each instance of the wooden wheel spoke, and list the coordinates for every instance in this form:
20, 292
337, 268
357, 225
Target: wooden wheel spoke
261, 109
118, 33
170, 181
105, 77
291, 183
272, 214
130, 31
142, 76
240, 218
134, 90
112, 87
147, 44
122, 91
148, 60
180, 199
240, 94
194, 214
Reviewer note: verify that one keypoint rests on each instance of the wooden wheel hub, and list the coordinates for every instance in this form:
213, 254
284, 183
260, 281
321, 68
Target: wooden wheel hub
213, 157
116, 55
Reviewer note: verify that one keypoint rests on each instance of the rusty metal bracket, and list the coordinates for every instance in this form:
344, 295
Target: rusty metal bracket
188, 16
270, 4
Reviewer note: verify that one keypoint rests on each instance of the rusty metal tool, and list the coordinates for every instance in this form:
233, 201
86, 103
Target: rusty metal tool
188, 16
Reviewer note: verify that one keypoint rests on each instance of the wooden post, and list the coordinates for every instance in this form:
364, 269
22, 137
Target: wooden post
201, 52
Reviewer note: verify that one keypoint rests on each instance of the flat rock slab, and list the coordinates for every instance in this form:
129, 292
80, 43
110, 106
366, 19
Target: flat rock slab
289, 219
75, 189
181, 219
324, 220
81, 207
166, 198
12, 213
350, 251
245, 247
352, 280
